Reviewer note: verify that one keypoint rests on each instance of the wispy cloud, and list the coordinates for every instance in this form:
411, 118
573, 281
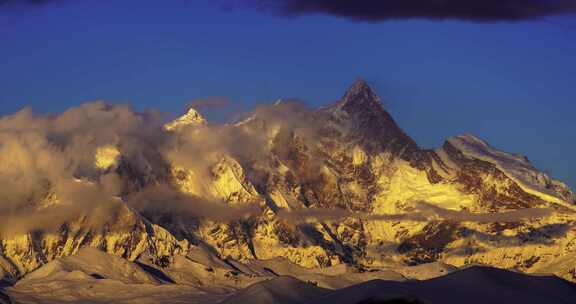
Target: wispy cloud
423, 212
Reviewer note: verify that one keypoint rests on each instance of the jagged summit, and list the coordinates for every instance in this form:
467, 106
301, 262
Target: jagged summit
191, 118
363, 110
360, 96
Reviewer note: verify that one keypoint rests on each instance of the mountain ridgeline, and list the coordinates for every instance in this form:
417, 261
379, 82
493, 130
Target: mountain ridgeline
339, 185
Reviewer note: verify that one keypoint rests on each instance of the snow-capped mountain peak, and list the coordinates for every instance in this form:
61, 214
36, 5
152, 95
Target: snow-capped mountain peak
191, 118
516, 167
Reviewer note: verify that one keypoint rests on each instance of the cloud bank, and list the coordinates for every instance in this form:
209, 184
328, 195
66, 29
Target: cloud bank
47, 163
91, 160
384, 10
15, 3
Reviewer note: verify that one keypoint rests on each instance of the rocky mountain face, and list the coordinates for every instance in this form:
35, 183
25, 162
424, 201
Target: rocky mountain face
129, 236
338, 185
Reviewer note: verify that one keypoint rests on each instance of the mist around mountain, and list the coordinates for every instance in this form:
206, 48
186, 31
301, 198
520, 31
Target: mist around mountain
286, 205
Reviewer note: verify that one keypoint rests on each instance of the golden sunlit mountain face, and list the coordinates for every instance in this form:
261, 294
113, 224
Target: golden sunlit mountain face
284, 180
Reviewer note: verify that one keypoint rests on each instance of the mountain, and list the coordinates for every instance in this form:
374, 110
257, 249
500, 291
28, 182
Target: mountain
191, 118
281, 290
472, 285
340, 187
352, 156
128, 236
92, 276
361, 109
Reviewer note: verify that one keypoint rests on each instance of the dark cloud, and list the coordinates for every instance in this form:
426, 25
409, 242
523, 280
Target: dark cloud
383, 10
25, 2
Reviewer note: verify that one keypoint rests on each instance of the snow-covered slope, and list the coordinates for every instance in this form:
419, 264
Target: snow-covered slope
191, 118
92, 276
280, 290
516, 167
92, 262
128, 236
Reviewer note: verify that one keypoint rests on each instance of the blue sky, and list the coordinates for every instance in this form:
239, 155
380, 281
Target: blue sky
512, 84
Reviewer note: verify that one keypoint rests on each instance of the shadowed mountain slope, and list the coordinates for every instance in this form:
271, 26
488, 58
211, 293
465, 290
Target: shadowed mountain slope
474, 285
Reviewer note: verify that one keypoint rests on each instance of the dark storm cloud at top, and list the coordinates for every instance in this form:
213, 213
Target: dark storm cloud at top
383, 10
24, 2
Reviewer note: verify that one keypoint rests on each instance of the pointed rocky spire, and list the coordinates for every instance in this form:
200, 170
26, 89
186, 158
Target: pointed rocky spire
359, 85
360, 96
191, 118
363, 110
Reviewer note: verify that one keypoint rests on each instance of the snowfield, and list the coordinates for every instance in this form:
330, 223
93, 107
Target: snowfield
92, 276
